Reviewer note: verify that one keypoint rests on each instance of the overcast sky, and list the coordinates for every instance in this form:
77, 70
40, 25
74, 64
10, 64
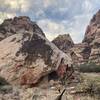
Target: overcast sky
54, 16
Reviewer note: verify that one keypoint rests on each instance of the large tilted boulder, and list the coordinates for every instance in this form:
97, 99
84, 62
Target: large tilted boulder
26, 55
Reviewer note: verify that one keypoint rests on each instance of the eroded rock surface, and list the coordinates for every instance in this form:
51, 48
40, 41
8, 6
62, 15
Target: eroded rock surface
27, 55
92, 38
64, 42
18, 25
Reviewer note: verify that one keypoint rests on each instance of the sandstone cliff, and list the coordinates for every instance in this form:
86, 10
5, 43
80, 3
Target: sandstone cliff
92, 38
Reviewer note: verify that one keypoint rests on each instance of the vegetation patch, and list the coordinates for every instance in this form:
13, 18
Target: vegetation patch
89, 67
3, 81
90, 83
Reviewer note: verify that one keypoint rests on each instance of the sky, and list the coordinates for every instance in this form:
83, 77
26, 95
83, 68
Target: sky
53, 16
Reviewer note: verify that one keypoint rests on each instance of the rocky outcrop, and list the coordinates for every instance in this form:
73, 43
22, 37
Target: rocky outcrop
27, 55
64, 42
76, 53
18, 25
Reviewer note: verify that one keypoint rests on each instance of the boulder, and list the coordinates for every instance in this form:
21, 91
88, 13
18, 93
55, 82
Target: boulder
28, 55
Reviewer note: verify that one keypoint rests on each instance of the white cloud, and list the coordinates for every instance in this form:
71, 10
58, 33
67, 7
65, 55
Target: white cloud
25, 5
15, 5
87, 6
4, 15
75, 27
54, 16
51, 29
47, 3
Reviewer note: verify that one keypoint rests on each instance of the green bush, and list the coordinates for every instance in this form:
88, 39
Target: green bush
89, 67
3, 81
6, 89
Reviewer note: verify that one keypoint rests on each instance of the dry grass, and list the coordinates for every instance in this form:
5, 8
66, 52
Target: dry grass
89, 88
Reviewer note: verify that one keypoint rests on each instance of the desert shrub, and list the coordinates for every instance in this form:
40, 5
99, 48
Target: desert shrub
6, 89
97, 89
89, 87
89, 67
3, 81
4, 86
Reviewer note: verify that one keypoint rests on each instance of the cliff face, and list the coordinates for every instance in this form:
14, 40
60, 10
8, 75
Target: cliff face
92, 38
93, 28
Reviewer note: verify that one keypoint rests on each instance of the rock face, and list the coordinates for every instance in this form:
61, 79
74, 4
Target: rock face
25, 54
64, 42
92, 38
93, 28
76, 53
18, 25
